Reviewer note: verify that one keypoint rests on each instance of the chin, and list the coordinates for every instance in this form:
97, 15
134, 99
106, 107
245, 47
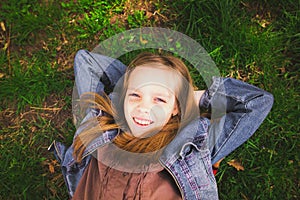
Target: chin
147, 133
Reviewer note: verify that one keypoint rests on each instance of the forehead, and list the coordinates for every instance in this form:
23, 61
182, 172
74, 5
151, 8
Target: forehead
153, 75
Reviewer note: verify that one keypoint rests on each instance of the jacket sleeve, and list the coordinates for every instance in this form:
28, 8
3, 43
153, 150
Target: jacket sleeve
93, 73
238, 109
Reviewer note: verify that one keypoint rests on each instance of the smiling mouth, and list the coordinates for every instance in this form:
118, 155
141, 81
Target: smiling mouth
142, 122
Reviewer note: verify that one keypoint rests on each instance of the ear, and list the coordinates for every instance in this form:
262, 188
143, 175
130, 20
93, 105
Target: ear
175, 110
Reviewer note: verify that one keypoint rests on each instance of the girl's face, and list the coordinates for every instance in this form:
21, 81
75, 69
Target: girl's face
150, 98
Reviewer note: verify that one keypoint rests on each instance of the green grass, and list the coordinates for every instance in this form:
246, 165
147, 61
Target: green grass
31, 85
256, 41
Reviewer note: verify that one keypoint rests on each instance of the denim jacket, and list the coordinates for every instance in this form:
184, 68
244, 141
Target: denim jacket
189, 157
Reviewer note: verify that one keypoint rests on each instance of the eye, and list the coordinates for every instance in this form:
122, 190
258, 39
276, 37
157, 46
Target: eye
160, 100
134, 95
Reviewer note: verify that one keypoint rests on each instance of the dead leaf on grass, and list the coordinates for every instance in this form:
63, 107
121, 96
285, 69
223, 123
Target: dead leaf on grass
244, 196
143, 41
236, 164
2, 26
51, 168
51, 165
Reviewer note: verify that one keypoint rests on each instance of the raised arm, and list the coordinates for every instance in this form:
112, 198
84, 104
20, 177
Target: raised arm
237, 109
93, 73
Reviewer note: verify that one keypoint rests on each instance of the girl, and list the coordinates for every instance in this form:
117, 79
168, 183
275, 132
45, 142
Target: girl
146, 140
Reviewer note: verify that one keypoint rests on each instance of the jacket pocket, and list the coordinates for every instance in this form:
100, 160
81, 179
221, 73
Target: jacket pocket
198, 168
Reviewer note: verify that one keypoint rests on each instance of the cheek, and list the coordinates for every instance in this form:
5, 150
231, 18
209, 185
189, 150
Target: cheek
161, 113
127, 107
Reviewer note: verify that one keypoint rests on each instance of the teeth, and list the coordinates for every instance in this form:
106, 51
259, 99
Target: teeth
142, 122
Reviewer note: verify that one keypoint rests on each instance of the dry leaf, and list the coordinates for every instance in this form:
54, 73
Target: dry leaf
244, 196
33, 128
1, 75
52, 165
149, 14
51, 168
217, 164
143, 41
236, 164
5, 46
2, 26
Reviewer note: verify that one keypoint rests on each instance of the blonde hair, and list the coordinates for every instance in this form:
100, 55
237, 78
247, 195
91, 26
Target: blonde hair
185, 101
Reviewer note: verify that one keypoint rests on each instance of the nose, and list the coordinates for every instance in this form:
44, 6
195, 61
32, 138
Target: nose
144, 107
143, 110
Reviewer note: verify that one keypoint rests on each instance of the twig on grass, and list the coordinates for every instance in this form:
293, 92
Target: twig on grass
48, 109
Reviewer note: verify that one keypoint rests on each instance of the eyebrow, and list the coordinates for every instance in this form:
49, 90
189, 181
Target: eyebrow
162, 94
167, 94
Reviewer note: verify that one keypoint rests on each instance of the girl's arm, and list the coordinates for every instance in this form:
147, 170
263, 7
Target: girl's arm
93, 73
237, 110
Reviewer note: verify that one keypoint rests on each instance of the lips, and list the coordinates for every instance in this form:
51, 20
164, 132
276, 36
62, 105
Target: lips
142, 122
